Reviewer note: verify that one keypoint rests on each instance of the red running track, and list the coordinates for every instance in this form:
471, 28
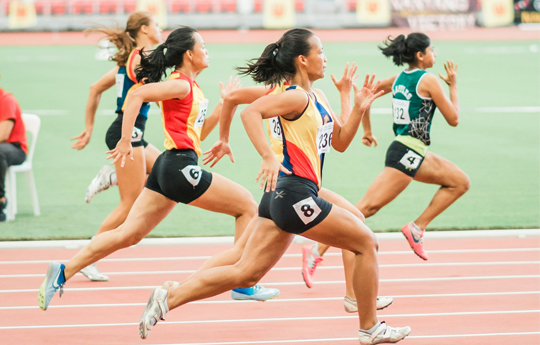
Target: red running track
471, 291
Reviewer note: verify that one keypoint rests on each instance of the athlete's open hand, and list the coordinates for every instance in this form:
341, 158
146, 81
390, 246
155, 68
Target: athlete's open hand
231, 86
217, 151
367, 94
122, 150
82, 140
270, 168
368, 139
347, 79
451, 73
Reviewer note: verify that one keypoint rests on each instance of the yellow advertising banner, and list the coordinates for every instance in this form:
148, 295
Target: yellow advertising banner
373, 11
156, 7
498, 12
279, 14
22, 14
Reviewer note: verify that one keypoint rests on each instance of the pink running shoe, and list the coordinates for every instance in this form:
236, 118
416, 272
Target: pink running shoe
309, 264
415, 239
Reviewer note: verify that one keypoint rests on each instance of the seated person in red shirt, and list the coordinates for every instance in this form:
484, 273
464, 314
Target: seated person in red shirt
13, 144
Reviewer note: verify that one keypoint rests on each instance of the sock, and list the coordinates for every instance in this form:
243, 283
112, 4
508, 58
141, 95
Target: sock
315, 250
416, 229
372, 329
114, 181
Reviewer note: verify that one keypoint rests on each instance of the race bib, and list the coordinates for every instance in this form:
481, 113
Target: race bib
401, 111
307, 210
136, 135
119, 85
275, 128
324, 138
203, 106
411, 160
193, 174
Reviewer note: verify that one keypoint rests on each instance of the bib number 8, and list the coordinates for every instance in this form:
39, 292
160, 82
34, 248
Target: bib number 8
401, 111
307, 210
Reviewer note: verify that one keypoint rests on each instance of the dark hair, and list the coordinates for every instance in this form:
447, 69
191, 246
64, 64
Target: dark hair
124, 39
276, 63
168, 54
403, 48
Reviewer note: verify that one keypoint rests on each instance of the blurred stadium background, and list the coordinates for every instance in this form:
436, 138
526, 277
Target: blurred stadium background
496, 43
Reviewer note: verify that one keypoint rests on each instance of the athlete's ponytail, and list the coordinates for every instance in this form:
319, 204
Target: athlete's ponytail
276, 63
124, 39
170, 53
403, 49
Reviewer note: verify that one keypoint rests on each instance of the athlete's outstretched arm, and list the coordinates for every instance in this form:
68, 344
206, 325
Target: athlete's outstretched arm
344, 86
368, 138
448, 107
343, 135
103, 84
153, 92
230, 103
289, 105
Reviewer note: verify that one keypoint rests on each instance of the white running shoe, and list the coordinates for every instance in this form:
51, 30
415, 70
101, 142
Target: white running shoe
156, 308
255, 293
94, 274
384, 334
350, 304
101, 182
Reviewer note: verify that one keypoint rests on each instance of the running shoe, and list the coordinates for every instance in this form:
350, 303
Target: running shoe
256, 293
351, 307
309, 264
101, 182
415, 237
384, 334
54, 280
156, 309
94, 274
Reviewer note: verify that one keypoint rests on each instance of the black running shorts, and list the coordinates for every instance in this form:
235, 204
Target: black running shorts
177, 176
114, 133
294, 206
401, 157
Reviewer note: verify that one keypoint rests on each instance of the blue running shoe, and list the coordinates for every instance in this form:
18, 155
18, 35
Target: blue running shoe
256, 293
54, 280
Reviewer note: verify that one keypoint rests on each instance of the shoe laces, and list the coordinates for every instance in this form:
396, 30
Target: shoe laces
61, 288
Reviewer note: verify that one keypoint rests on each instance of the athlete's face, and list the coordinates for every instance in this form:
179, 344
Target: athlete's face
199, 54
316, 60
154, 32
427, 59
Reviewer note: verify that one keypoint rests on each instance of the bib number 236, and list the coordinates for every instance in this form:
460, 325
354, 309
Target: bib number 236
324, 138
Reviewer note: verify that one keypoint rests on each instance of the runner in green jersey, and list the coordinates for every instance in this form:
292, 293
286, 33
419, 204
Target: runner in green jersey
415, 96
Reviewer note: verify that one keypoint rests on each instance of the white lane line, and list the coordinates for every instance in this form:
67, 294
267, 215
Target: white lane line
297, 268
279, 300
288, 319
328, 282
206, 257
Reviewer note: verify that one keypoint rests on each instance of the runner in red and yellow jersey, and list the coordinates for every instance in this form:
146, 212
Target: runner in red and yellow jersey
176, 176
290, 204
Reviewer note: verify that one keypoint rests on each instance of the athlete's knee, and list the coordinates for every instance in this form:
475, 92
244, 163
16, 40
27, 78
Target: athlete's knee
368, 209
129, 238
367, 242
248, 207
465, 184
248, 277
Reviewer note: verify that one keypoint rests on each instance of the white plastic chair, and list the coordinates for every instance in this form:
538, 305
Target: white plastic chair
31, 124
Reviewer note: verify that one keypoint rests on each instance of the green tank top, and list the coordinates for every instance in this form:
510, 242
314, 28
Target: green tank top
413, 113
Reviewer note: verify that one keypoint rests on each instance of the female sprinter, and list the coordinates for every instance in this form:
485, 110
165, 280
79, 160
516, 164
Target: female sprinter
249, 95
415, 96
141, 31
176, 177
293, 205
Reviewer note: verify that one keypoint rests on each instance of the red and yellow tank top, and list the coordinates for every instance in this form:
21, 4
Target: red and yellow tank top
274, 127
307, 139
183, 119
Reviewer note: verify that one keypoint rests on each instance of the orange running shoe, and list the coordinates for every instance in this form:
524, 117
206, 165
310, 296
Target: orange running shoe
309, 264
415, 237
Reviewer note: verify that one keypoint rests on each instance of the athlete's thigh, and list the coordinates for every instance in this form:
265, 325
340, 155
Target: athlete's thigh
386, 187
147, 212
438, 170
151, 153
336, 199
132, 176
265, 247
341, 229
224, 196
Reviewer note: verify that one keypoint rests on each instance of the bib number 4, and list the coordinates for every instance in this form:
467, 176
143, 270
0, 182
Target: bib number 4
203, 107
411, 160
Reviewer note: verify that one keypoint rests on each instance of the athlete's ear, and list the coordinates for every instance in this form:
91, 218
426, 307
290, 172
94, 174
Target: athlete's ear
144, 29
420, 56
302, 59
